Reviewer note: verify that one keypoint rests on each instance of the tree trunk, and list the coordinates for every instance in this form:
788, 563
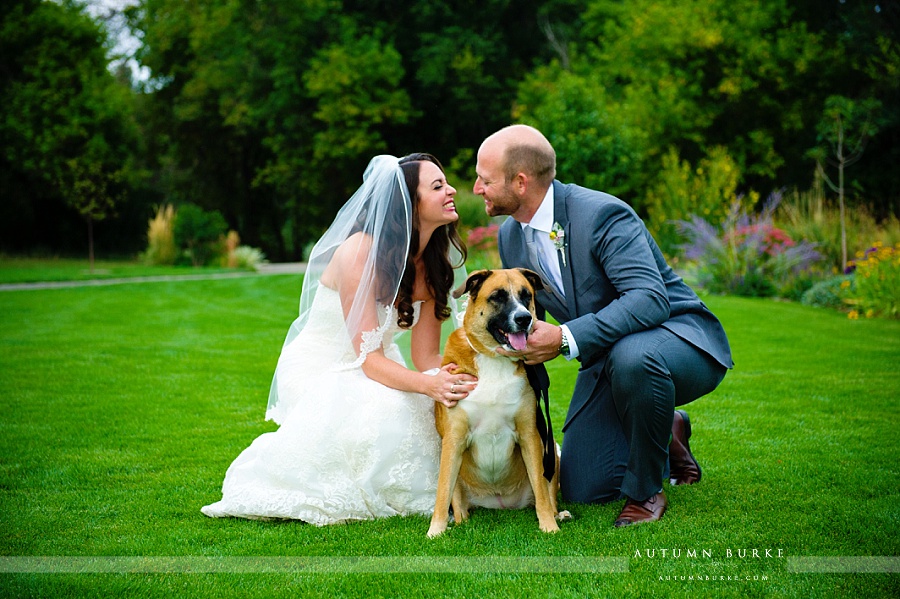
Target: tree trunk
843, 218
90, 224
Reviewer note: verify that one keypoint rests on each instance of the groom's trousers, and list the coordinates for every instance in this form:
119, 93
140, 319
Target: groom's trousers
618, 443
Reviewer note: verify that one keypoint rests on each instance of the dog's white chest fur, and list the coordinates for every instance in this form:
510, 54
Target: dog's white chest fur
491, 409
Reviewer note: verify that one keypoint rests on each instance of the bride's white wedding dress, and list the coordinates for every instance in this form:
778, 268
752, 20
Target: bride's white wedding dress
348, 448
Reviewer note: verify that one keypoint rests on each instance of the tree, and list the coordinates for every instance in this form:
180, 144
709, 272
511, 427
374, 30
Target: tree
92, 193
269, 111
65, 121
845, 128
647, 76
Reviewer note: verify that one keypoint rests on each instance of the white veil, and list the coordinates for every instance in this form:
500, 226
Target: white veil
370, 237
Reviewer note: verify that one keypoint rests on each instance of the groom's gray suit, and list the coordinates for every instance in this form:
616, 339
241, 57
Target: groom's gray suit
617, 286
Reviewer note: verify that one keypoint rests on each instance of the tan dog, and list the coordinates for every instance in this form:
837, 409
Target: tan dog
491, 451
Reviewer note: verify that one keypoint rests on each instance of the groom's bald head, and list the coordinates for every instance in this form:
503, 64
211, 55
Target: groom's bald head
523, 149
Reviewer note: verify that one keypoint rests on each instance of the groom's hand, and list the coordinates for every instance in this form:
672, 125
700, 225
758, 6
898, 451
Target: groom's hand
543, 344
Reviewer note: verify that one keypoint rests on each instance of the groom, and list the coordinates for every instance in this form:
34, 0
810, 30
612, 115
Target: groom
646, 342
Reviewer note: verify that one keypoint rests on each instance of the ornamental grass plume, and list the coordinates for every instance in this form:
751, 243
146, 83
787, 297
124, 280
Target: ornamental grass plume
232, 241
748, 255
161, 248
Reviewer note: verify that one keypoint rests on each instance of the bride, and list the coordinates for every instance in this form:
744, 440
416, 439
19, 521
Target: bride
356, 439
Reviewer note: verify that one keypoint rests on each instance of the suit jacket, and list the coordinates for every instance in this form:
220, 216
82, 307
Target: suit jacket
616, 282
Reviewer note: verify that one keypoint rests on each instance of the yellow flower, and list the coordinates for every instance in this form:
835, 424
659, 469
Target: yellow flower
845, 284
853, 315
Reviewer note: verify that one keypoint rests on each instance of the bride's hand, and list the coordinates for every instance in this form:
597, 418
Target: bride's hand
448, 388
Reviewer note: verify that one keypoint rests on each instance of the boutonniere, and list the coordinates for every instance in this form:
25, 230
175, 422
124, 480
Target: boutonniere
558, 237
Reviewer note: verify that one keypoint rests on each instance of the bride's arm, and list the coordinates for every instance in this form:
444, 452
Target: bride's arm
425, 343
425, 339
345, 273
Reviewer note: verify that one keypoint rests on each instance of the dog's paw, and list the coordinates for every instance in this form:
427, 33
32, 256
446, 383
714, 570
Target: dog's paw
436, 531
564, 516
552, 526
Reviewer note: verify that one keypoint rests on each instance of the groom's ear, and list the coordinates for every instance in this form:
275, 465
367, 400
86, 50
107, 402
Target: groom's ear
473, 284
520, 184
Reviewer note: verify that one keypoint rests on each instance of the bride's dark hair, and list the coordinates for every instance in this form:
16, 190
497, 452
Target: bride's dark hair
438, 269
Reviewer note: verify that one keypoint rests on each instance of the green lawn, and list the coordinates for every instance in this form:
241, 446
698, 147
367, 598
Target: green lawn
30, 270
122, 406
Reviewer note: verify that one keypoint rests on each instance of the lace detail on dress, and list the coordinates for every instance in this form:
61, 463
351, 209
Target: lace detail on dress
372, 340
382, 337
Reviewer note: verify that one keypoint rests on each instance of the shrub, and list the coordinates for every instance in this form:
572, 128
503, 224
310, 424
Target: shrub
471, 210
877, 282
830, 293
161, 248
483, 248
245, 256
748, 255
483, 238
199, 232
236, 255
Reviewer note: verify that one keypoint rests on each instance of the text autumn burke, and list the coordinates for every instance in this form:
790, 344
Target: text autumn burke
708, 553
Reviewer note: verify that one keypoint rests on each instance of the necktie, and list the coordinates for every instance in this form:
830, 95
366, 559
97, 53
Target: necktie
538, 261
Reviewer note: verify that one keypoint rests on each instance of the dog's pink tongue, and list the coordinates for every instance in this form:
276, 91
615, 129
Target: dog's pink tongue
517, 341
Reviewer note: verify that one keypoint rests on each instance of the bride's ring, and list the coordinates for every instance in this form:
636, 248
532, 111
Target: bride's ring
452, 388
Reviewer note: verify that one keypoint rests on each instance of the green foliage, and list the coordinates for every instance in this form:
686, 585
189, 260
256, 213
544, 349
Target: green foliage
92, 191
269, 111
830, 293
470, 209
67, 124
845, 127
596, 145
199, 232
877, 282
681, 191
649, 76
355, 85
288, 100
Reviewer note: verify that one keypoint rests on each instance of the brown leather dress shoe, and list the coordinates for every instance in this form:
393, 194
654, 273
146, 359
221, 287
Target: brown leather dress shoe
683, 467
636, 512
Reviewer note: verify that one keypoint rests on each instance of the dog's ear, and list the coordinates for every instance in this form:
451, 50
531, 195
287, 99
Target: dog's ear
472, 284
533, 278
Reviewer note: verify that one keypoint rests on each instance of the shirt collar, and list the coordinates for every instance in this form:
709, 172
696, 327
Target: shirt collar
543, 218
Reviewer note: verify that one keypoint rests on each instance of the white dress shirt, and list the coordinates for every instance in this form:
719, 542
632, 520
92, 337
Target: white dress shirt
542, 223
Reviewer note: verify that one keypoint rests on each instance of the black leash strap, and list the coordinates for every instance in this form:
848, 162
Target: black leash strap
540, 382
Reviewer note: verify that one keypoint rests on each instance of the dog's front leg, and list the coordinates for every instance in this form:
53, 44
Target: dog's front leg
452, 447
532, 451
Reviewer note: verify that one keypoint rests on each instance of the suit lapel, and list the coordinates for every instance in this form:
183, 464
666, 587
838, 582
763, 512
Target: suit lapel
561, 216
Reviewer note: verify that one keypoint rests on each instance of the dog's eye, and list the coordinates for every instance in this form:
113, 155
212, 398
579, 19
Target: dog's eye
499, 296
525, 297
